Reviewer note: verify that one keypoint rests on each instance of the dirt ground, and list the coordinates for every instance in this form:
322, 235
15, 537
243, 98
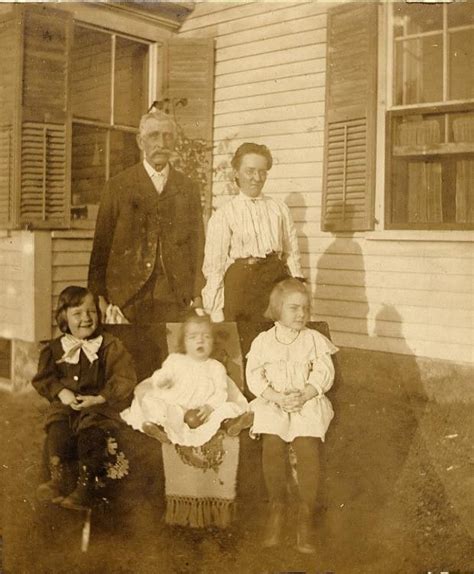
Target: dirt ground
396, 495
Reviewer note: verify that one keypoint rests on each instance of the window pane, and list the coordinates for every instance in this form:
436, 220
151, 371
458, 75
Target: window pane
124, 151
88, 169
463, 128
418, 130
460, 14
461, 64
432, 170
416, 19
465, 191
91, 74
130, 81
419, 70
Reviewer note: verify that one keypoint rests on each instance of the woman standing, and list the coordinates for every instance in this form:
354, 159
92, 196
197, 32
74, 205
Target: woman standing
251, 243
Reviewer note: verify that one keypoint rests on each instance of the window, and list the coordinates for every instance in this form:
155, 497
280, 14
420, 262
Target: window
55, 69
430, 171
109, 92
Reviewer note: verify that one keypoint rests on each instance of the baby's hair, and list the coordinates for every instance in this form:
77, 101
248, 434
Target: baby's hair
278, 294
72, 296
192, 317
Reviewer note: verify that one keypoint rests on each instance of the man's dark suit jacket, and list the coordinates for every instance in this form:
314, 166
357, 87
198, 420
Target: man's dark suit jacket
132, 218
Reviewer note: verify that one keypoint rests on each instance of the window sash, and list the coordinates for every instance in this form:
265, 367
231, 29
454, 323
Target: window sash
446, 33
112, 126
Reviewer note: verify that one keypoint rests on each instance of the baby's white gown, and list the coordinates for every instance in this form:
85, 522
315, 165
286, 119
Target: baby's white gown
193, 384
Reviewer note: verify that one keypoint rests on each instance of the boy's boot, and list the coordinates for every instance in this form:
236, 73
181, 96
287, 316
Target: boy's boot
304, 533
80, 497
53, 490
274, 525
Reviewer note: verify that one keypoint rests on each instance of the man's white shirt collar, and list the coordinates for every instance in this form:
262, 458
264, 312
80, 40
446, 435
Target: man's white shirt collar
157, 177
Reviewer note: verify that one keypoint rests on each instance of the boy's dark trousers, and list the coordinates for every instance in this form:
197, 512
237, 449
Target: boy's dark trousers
87, 446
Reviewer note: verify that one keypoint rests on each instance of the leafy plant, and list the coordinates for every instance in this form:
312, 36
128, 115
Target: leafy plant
191, 155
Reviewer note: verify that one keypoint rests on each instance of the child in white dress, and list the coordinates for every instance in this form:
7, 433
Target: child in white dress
289, 369
187, 400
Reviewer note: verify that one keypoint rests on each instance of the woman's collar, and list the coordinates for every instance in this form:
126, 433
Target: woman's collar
245, 197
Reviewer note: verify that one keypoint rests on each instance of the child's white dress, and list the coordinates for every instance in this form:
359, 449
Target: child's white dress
193, 384
288, 367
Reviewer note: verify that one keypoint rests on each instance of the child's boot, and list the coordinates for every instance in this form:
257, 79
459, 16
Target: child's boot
155, 431
234, 427
80, 497
53, 490
274, 525
304, 534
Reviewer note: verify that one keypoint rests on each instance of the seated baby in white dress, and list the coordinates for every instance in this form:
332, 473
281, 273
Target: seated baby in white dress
187, 401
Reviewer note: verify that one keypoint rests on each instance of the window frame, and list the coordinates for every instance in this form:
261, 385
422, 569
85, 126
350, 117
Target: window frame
387, 73
151, 94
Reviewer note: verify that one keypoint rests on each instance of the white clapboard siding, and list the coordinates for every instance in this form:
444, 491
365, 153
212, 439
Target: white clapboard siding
70, 263
309, 80
24, 275
410, 297
298, 69
279, 30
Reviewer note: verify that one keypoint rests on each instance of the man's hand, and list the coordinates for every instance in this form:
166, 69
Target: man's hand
86, 401
67, 397
103, 304
114, 316
197, 306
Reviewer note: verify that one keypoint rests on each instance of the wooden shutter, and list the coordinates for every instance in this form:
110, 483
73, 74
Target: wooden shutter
43, 174
351, 89
6, 166
45, 125
190, 76
9, 88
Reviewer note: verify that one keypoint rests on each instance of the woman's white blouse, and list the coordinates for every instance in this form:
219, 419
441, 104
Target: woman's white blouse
246, 227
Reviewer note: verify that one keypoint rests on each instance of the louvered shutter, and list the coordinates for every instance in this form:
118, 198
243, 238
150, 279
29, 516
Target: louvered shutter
6, 187
351, 85
45, 131
9, 66
190, 76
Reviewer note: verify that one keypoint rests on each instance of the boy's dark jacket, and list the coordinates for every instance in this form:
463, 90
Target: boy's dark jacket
112, 375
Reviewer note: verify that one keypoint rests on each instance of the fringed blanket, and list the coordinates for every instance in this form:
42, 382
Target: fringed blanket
200, 482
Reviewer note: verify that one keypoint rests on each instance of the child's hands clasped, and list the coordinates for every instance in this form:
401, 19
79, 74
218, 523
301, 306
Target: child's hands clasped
79, 402
86, 401
293, 401
67, 397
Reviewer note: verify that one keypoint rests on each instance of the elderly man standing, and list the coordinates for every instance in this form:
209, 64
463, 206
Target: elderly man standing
149, 239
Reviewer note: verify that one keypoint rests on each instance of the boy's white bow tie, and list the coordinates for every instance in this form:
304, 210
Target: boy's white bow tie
72, 348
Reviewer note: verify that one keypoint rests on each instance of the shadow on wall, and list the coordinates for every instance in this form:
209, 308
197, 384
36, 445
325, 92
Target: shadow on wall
297, 200
339, 289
